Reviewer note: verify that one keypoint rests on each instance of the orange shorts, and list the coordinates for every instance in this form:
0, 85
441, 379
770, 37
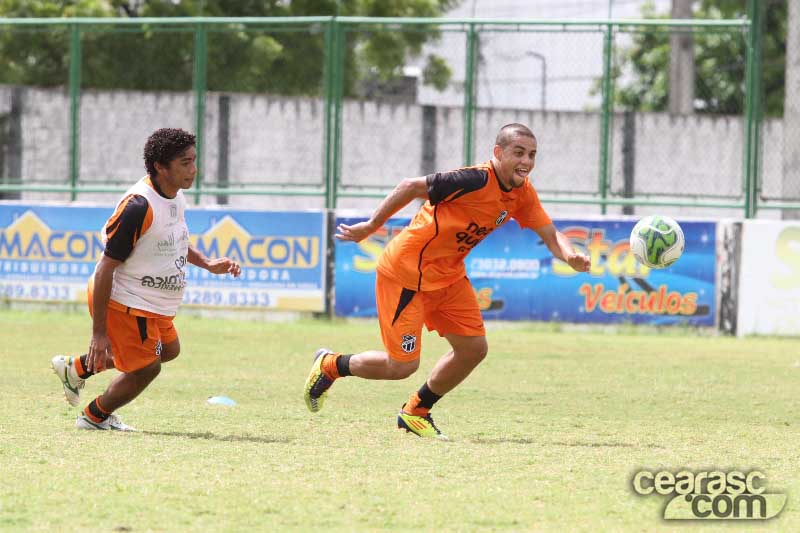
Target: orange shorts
136, 336
401, 313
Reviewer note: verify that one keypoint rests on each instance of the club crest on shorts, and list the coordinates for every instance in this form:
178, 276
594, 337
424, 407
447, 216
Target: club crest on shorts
159, 347
501, 218
409, 343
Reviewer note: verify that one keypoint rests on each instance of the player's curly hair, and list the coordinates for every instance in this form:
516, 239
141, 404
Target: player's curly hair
164, 145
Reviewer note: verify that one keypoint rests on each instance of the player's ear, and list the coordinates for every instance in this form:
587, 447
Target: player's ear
160, 169
498, 152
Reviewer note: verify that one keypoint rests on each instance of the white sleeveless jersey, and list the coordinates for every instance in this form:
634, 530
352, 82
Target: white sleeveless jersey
153, 276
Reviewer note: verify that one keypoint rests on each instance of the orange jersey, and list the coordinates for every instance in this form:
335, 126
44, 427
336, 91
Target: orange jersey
463, 207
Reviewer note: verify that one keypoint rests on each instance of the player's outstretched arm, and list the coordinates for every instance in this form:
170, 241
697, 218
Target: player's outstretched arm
561, 248
221, 265
401, 196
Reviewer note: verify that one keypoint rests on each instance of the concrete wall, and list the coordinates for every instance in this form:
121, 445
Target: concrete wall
278, 140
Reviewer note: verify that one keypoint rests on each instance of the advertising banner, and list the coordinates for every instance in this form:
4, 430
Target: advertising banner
769, 284
516, 278
47, 253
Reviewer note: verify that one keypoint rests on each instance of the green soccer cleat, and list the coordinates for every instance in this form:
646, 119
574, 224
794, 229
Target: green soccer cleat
422, 426
317, 383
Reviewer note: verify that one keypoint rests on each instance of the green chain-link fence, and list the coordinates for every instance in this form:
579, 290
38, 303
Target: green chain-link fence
294, 112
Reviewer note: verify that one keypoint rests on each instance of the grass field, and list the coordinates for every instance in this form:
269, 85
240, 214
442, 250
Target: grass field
546, 434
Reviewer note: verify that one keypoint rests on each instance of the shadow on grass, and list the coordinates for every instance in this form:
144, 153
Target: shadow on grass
222, 438
582, 444
505, 440
604, 444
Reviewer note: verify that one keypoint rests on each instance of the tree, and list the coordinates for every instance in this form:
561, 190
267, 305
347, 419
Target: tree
720, 61
259, 58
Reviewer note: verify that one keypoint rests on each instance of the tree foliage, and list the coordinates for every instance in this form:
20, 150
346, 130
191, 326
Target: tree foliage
284, 59
642, 69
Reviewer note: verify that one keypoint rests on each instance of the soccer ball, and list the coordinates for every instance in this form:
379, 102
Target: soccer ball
657, 241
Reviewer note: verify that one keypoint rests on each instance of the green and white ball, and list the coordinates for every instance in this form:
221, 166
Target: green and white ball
657, 241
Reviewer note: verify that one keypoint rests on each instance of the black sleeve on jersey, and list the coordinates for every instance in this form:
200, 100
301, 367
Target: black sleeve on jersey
450, 185
126, 229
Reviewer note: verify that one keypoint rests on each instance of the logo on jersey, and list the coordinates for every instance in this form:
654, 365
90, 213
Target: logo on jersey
409, 343
165, 283
166, 246
471, 236
501, 218
173, 211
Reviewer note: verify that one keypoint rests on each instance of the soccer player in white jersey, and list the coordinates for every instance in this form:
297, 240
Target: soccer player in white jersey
138, 283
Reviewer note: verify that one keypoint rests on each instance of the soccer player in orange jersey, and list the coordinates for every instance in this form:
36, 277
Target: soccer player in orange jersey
138, 283
421, 277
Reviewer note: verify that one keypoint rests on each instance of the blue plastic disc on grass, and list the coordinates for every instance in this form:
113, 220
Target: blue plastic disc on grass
220, 400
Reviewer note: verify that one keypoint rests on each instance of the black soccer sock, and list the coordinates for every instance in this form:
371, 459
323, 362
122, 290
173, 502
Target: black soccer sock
85, 373
96, 412
343, 365
427, 397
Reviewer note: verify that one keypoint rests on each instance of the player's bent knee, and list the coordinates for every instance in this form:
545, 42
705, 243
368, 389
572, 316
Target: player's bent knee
469, 349
170, 351
476, 352
149, 372
483, 352
402, 370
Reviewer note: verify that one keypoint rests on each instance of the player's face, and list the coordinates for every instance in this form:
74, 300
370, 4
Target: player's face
180, 172
517, 160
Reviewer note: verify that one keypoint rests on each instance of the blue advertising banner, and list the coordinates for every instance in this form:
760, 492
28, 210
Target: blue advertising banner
47, 253
516, 278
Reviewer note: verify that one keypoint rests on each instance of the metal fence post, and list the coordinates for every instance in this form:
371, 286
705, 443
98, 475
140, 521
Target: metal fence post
74, 107
605, 117
752, 109
327, 76
469, 93
338, 95
333, 78
199, 88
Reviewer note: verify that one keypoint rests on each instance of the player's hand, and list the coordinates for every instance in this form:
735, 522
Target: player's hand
99, 352
356, 232
579, 262
224, 265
